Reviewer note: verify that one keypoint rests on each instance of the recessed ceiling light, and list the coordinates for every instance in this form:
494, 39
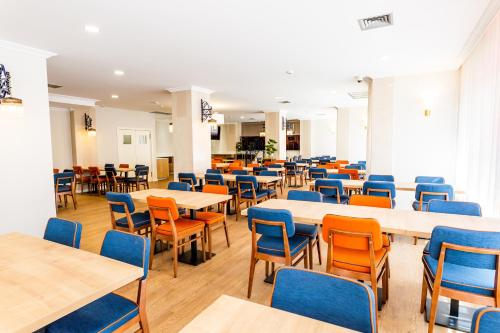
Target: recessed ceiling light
114, 96
92, 29
119, 72
290, 72
242, 117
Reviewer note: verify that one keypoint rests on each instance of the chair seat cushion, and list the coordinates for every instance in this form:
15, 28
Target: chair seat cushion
233, 190
259, 194
416, 206
138, 219
356, 260
275, 245
103, 315
426, 248
210, 217
64, 188
333, 199
469, 279
181, 225
309, 230
270, 191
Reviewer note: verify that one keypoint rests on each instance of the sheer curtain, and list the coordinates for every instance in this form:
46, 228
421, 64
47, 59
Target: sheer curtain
478, 164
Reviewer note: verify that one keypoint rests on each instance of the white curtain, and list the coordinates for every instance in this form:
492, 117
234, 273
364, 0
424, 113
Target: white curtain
478, 164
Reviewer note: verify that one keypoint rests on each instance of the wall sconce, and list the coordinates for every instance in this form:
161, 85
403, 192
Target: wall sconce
171, 128
427, 113
8, 103
88, 126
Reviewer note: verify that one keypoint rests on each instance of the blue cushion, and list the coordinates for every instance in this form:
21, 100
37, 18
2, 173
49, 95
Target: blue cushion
240, 172
138, 219
179, 186
371, 187
270, 191
469, 279
383, 178
103, 315
248, 182
416, 205
486, 320
338, 176
258, 194
216, 171
429, 180
329, 186
339, 301
308, 230
64, 188
305, 196
434, 188
63, 232
212, 178
275, 245
454, 207
426, 248
120, 197
333, 199
276, 215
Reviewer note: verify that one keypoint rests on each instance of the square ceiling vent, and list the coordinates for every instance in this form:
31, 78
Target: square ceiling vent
359, 94
376, 22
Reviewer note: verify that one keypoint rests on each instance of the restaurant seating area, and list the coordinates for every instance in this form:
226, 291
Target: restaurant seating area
250, 166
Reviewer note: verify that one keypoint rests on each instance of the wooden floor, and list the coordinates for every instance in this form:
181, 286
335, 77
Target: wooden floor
172, 303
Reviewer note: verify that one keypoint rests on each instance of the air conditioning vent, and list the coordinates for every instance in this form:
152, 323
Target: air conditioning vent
54, 86
163, 113
284, 102
376, 22
359, 94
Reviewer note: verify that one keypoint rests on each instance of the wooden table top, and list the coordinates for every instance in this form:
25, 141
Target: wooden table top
229, 314
183, 199
221, 165
361, 172
232, 178
400, 186
250, 169
42, 281
396, 221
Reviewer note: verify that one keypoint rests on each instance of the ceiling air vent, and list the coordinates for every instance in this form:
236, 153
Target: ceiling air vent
376, 22
54, 86
163, 113
284, 102
359, 94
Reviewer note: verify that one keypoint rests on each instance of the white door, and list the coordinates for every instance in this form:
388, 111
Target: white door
143, 147
134, 147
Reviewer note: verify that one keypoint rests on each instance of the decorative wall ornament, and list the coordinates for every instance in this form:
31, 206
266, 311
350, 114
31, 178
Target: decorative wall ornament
88, 125
4, 82
206, 111
7, 102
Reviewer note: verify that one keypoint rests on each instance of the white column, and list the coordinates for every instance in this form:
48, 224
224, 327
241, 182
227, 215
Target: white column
305, 138
192, 147
276, 130
27, 198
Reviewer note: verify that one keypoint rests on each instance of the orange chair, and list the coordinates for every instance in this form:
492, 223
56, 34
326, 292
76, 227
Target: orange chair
370, 201
54, 170
331, 165
353, 173
176, 229
251, 165
357, 249
123, 165
81, 178
212, 219
342, 161
97, 181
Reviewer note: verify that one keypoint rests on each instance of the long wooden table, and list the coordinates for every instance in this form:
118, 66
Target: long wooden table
42, 281
395, 221
229, 314
232, 178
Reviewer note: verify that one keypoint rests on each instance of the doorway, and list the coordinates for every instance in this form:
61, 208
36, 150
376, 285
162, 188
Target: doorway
134, 147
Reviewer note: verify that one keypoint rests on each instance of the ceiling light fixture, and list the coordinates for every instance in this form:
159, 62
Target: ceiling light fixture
242, 117
115, 96
290, 72
171, 128
92, 29
119, 72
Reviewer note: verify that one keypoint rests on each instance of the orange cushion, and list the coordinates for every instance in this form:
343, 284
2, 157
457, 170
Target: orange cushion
386, 242
355, 260
181, 225
210, 217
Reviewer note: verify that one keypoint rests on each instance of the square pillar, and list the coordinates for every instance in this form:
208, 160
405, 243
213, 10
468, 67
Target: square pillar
276, 130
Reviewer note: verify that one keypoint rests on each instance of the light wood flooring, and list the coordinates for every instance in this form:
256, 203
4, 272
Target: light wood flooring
172, 303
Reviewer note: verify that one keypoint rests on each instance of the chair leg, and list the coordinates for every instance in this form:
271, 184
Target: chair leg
227, 233
175, 254
250, 276
415, 240
423, 297
374, 288
203, 253
385, 283
319, 249
208, 235
306, 257
310, 253
152, 250
434, 305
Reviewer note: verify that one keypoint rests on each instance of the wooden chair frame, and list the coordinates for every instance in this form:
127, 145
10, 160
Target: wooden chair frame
317, 173
421, 200
79, 174
64, 195
188, 180
287, 260
131, 228
249, 202
436, 289
376, 272
209, 228
288, 177
138, 182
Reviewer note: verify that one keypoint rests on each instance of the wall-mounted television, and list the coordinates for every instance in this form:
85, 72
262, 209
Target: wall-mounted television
252, 143
215, 133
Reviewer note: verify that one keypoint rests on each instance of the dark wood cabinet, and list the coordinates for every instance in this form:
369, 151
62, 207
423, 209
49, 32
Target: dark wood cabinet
293, 142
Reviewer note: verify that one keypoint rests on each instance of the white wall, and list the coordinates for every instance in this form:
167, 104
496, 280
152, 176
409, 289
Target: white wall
324, 137
351, 134
109, 120
26, 201
275, 131
305, 138
60, 129
164, 139
228, 138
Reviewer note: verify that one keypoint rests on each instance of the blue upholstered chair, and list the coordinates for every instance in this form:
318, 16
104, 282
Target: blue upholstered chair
317, 173
332, 190
122, 203
461, 265
292, 172
275, 166
325, 297
362, 162
356, 166
112, 311
240, 172
486, 320
426, 192
278, 242
249, 192
63, 232
257, 170
381, 178
190, 178
64, 187
141, 177
109, 165
178, 186
338, 176
380, 189
429, 180
272, 188
309, 230
217, 171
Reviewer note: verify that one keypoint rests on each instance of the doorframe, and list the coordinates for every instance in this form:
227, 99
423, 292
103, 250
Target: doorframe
118, 129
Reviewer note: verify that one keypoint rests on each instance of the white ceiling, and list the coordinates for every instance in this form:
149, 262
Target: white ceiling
239, 49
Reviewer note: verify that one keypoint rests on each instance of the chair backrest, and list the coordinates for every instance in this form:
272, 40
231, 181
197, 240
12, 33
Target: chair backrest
352, 172
352, 225
355, 166
329, 187
342, 161
127, 247
63, 232
269, 173
362, 162
55, 170
217, 171
317, 173
258, 170
178, 186
187, 177
239, 172
338, 176
77, 169
290, 166
123, 165
486, 320
252, 165
381, 178
214, 179
471, 238
454, 207
63, 179
106, 165
94, 171
305, 196
325, 297
110, 172
441, 191
274, 215
243, 182
216, 189
275, 166
370, 201
124, 198
159, 208
429, 180
380, 188
330, 165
